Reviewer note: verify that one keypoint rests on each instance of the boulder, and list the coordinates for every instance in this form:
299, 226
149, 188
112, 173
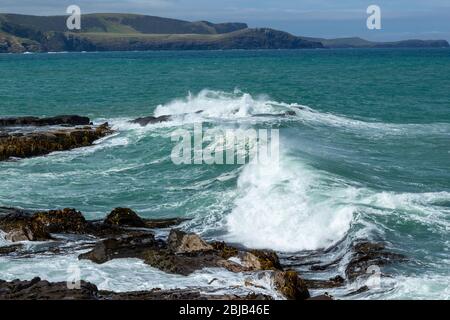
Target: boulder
151, 120
24, 226
163, 223
290, 285
19, 226
61, 221
131, 246
181, 242
124, 217
260, 260
21, 234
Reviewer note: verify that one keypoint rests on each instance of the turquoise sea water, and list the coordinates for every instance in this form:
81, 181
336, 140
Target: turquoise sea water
366, 157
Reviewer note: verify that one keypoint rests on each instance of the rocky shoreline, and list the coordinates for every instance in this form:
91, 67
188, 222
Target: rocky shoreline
124, 234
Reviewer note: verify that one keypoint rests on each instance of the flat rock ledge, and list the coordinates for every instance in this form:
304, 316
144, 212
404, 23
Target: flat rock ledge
26, 144
70, 120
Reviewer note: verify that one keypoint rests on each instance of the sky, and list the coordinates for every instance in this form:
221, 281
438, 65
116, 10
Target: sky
400, 19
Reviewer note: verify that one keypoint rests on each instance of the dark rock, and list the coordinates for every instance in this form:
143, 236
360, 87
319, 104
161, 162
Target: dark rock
19, 225
22, 226
177, 294
367, 254
132, 246
10, 249
323, 297
290, 285
42, 143
72, 120
185, 264
182, 253
224, 250
322, 267
61, 221
150, 120
271, 115
38, 289
101, 230
155, 253
335, 282
163, 223
358, 291
124, 217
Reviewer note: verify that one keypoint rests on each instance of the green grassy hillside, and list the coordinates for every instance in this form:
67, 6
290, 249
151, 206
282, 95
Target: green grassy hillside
113, 31
122, 23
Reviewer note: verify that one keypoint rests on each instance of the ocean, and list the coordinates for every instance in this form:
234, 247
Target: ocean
365, 157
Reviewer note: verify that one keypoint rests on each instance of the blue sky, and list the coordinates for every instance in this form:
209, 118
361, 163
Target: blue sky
401, 19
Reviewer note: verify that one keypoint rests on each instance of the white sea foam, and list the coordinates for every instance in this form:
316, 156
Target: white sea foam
124, 275
3, 241
286, 208
425, 287
423, 208
289, 207
218, 105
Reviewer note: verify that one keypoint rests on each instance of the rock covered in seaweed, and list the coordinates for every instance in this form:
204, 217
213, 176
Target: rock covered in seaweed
19, 225
151, 120
124, 217
290, 285
26, 145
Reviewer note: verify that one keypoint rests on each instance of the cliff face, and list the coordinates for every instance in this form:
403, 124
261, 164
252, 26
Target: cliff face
124, 32
243, 39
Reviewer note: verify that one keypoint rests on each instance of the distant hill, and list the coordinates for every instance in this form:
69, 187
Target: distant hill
121, 23
123, 32
356, 42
